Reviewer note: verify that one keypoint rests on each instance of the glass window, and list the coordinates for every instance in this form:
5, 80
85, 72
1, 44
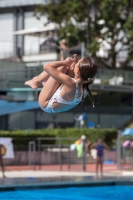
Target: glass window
6, 35
32, 42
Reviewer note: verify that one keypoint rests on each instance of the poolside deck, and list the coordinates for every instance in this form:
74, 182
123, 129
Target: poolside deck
50, 175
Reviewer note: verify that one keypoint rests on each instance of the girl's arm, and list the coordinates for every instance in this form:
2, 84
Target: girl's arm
51, 69
93, 146
106, 146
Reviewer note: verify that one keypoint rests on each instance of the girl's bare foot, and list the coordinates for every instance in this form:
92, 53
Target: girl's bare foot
33, 83
75, 58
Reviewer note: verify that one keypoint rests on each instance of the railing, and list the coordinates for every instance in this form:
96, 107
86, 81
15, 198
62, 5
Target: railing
49, 153
61, 153
14, 3
124, 120
54, 154
16, 78
105, 75
31, 154
125, 154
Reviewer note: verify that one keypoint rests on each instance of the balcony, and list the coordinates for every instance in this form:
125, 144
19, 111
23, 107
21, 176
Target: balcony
11, 80
19, 3
115, 77
14, 78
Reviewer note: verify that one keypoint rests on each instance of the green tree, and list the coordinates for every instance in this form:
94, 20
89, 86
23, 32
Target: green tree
95, 22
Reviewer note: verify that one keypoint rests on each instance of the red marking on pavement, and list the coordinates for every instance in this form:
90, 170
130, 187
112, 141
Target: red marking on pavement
73, 167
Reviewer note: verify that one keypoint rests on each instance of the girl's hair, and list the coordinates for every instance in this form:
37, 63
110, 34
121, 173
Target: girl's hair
88, 70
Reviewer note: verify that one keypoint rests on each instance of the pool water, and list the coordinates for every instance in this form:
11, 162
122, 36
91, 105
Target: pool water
72, 193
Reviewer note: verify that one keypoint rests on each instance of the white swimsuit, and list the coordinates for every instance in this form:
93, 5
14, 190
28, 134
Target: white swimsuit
57, 98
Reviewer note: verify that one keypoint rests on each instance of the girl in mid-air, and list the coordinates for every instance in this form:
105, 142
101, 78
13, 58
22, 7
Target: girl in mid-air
65, 83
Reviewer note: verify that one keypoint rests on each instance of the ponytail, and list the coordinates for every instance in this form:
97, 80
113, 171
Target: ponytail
85, 86
87, 68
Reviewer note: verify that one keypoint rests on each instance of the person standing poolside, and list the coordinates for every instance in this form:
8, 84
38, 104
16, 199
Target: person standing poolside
2, 152
65, 83
64, 50
100, 146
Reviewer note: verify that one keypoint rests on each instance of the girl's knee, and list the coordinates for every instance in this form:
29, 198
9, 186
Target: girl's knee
42, 103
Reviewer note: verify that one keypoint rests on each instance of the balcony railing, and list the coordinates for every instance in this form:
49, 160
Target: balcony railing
16, 3
115, 77
16, 78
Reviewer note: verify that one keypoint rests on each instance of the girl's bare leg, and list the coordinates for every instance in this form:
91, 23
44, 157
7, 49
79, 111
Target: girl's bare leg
44, 76
51, 84
41, 78
97, 168
2, 166
49, 88
101, 165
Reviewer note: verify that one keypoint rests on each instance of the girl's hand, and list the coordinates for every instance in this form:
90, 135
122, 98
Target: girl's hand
75, 61
69, 62
75, 58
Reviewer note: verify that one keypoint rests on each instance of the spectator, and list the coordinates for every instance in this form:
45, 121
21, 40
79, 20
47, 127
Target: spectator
100, 146
64, 50
127, 144
80, 144
86, 142
2, 152
82, 120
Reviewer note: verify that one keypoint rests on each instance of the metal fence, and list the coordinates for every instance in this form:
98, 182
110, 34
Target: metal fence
124, 155
16, 3
16, 78
105, 75
54, 154
48, 154
60, 154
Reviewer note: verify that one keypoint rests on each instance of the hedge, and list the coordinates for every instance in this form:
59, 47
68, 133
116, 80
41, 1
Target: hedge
24, 136
127, 137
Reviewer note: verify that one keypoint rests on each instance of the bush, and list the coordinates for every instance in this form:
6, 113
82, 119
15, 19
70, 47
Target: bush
127, 137
22, 137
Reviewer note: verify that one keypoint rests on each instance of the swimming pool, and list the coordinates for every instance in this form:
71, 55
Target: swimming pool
116, 192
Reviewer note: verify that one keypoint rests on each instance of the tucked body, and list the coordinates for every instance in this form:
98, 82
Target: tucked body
65, 83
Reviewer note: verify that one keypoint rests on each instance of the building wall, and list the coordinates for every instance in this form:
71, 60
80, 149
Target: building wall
22, 96
38, 119
21, 120
3, 122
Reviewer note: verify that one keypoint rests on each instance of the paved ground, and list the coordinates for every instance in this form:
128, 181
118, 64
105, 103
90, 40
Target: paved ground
76, 167
51, 174
42, 173
46, 178
48, 170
